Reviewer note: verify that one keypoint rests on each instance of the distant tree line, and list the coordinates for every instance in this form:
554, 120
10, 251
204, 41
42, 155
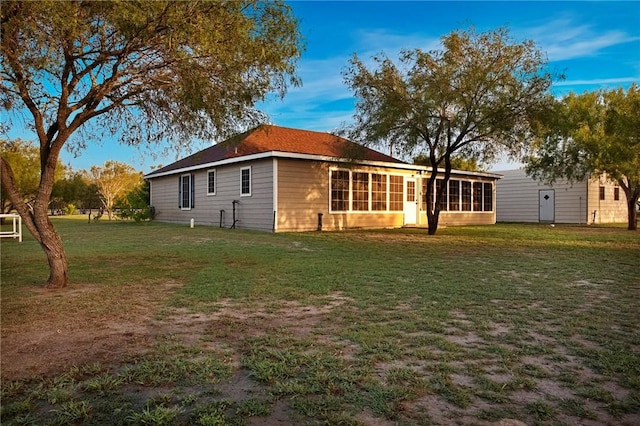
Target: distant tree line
112, 187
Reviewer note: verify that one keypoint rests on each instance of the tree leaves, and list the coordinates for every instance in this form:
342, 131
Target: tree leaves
180, 65
473, 98
595, 134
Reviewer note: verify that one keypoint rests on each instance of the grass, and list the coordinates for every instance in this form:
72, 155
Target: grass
167, 325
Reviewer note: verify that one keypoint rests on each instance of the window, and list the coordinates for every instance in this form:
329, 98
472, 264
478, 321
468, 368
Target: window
211, 182
477, 196
186, 192
488, 197
425, 182
245, 181
378, 192
616, 193
454, 195
434, 192
339, 190
360, 191
466, 196
411, 191
395, 193
442, 205
602, 192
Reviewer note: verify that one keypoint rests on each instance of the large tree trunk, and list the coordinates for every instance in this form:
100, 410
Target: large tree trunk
632, 213
433, 223
37, 221
631, 190
433, 209
51, 243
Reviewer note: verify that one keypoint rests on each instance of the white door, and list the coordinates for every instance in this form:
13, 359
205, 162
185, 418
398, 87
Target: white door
547, 203
410, 202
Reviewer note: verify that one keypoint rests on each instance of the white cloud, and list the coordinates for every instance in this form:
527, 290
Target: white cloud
371, 42
563, 39
324, 102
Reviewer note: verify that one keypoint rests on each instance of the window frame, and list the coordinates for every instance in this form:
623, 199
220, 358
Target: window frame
487, 196
346, 201
396, 196
189, 178
602, 193
616, 193
466, 196
443, 204
242, 170
379, 192
454, 195
360, 191
215, 181
477, 199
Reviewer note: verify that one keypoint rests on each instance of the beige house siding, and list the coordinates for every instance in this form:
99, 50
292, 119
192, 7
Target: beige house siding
608, 210
303, 193
252, 212
518, 200
289, 194
463, 218
339, 221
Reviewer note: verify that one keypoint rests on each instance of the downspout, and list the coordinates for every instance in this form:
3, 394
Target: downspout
275, 194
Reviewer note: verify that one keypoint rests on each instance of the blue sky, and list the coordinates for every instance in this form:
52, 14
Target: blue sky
595, 44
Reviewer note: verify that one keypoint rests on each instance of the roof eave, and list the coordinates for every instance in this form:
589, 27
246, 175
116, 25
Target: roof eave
277, 154
314, 157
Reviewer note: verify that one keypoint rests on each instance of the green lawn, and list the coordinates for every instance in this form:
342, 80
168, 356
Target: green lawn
163, 324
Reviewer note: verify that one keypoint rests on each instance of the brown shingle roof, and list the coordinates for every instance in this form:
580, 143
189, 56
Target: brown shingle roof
269, 138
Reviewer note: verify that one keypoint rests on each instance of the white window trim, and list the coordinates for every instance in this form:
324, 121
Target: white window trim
350, 201
331, 210
386, 209
403, 176
389, 193
215, 181
250, 179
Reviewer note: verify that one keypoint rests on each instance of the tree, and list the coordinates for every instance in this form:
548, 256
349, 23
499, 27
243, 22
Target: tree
25, 158
596, 134
458, 163
72, 189
135, 203
473, 98
114, 180
141, 71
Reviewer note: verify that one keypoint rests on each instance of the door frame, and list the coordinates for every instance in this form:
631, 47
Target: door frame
410, 205
550, 193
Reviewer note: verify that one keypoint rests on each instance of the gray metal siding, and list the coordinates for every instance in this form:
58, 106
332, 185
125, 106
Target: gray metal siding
252, 212
517, 199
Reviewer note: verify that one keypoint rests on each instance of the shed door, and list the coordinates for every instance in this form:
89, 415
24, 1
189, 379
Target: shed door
410, 202
547, 203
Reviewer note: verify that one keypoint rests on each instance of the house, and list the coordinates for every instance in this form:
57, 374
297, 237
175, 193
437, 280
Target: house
521, 198
281, 180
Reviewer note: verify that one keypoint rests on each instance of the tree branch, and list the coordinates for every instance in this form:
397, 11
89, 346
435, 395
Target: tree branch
17, 199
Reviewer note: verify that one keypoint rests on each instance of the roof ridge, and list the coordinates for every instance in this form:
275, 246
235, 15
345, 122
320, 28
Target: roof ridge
266, 138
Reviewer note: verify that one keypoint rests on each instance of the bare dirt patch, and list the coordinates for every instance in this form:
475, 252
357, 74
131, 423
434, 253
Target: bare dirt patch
49, 332
116, 325
111, 326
